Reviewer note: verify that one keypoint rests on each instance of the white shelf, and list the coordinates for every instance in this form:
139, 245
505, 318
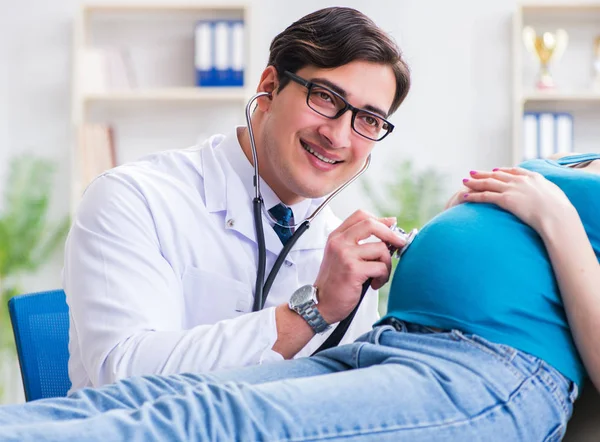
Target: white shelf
537, 8
158, 40
149, 7
171, 94
564, 97
580, 20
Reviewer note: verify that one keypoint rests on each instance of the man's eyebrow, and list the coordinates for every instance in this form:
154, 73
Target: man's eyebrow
334, 87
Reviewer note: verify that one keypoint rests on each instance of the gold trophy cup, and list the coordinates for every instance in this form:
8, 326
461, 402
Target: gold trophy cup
545, 47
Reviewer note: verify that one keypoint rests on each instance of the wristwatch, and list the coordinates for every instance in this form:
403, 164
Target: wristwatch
304, 302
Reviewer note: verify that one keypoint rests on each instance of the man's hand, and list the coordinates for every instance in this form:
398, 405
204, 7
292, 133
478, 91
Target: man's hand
348, 263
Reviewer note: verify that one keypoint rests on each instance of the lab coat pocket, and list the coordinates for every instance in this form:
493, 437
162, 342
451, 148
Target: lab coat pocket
211, 297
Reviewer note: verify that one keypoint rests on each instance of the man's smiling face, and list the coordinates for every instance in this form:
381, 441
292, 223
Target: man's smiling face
306, 155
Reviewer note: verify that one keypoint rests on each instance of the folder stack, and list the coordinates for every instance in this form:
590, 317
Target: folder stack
219, 54
546, 133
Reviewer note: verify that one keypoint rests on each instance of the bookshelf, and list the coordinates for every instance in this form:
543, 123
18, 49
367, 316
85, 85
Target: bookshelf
573, 72
157, 92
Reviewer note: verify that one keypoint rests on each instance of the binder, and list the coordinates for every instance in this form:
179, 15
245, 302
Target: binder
530, 136
222, 53
204, 53
546, 133
564, 132
547, 145
219, 56
237, 53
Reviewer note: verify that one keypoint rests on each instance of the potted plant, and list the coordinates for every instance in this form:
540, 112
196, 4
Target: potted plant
27, 236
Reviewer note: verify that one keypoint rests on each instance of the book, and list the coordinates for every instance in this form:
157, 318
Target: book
96, 151
105, 69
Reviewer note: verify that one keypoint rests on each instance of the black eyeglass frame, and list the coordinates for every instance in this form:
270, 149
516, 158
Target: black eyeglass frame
347, 106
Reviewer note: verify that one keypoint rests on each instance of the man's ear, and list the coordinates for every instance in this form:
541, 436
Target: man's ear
269, 82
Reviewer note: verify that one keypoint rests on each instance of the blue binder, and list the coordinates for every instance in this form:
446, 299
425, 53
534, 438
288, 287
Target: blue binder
220, 55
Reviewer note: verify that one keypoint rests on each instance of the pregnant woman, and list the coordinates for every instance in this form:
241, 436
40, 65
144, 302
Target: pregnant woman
492, 326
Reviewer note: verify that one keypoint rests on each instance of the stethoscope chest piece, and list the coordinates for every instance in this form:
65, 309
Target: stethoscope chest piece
409, 237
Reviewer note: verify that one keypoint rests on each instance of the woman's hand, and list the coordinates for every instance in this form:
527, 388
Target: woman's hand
457, 198
527, 195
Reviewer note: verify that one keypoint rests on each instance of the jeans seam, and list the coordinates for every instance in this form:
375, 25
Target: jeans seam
556, 435
357, 350
507, 362
553, 389
524, 386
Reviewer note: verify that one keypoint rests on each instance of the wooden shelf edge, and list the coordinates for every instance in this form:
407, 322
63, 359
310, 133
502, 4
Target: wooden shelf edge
561, 96
534, 8
171, 94
166, 7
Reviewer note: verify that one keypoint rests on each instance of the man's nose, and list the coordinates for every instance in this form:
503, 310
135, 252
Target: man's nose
338, 131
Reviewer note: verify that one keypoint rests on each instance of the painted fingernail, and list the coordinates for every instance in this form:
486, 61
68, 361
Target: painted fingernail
465, 180
465, 195
495, 170
473, 172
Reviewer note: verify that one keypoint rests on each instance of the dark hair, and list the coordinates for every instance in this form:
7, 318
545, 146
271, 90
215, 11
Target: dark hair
333, 37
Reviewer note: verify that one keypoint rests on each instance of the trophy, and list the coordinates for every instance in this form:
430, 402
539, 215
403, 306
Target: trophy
596, 64
545, 47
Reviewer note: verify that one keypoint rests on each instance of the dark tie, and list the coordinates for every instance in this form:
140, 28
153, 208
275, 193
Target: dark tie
282, 215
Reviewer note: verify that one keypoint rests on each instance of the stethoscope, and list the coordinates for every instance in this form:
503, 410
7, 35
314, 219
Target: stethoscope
262, 286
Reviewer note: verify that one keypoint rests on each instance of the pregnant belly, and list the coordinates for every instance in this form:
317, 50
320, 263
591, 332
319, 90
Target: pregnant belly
473, 263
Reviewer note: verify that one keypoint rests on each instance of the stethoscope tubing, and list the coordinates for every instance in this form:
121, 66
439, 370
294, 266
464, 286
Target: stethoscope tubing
262, 287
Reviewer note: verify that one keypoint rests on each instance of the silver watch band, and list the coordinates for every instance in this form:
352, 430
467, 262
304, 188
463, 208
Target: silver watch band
312, 315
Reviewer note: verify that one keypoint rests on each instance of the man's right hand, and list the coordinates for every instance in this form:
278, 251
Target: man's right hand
349, 262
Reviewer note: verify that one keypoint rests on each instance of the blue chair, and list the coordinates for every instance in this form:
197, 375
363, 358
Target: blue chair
40, 322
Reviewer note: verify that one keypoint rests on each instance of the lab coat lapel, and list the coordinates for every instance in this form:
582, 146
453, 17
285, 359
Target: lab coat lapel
240, 209
224, 191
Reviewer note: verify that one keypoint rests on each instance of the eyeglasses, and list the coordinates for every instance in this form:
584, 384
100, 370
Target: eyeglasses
332, 105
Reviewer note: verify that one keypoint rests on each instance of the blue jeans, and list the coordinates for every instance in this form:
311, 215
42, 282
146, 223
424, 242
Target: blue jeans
397, 382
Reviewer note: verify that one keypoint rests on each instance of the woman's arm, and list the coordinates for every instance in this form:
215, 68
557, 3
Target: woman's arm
544, 206
578, 274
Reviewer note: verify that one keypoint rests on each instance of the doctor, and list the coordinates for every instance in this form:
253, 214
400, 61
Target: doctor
161, 260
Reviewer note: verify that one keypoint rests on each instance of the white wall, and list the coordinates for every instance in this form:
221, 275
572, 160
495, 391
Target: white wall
457, 115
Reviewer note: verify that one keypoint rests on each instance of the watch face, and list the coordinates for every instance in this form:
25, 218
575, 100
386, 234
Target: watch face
304, 295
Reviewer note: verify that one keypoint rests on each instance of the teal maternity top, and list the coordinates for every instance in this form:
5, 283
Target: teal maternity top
478, 269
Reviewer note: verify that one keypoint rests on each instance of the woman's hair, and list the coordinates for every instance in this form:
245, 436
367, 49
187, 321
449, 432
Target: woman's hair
333, 37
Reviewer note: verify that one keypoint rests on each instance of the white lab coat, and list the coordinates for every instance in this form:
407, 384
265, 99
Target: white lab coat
160, 267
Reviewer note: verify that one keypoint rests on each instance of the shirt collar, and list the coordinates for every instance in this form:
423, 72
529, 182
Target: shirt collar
228, 186
236, 157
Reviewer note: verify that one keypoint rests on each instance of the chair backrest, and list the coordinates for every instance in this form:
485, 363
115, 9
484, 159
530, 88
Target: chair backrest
40, 323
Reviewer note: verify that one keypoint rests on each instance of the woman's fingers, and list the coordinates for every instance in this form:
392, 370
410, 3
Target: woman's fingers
484, 197
497, 174
515, 171
486, 184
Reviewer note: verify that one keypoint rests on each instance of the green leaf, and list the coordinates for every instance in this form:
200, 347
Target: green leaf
27, 236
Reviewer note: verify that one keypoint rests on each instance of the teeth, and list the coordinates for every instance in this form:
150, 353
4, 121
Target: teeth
319, 156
